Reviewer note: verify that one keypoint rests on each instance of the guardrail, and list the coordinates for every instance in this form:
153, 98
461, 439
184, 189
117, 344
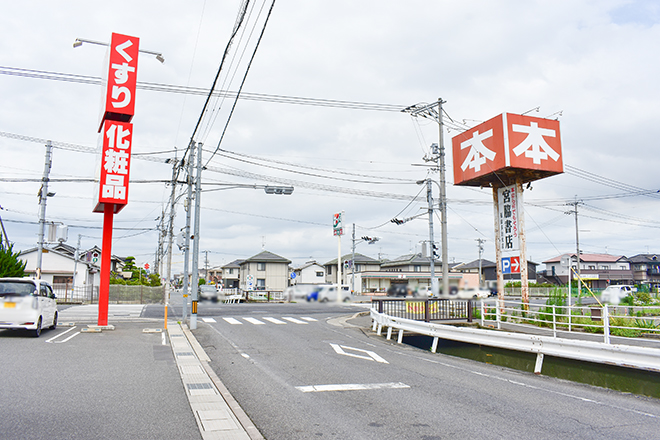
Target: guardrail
426, 309
645, 358
265, 295
624, 321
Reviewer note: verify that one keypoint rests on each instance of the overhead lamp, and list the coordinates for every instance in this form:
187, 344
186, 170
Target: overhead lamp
79, 41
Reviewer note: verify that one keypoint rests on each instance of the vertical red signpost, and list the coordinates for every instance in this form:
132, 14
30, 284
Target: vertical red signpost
116, 139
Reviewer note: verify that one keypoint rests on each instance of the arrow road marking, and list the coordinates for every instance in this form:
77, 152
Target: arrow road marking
371, 356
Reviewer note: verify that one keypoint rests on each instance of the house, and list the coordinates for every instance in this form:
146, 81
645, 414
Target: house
264, 271
309, 273
646, 269
596, 270
231, 274
489, 273
353, 271
377, 276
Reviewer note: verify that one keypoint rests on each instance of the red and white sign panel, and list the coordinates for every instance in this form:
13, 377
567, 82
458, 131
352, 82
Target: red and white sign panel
115, 165
119, 97
507, 141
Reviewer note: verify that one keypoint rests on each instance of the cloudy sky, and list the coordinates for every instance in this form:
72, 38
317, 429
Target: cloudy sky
322, 112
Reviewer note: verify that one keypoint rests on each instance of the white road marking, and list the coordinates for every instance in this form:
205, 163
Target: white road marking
163, 339
371, 356
274, 320
352, 387
52, 340
233, 321
294, 320
209, 320
309, 319
254, 321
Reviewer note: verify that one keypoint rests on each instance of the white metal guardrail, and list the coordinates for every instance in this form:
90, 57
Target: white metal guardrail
625, 321
645, 358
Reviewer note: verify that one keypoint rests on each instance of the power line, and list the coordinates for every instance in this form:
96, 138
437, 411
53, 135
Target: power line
200, 91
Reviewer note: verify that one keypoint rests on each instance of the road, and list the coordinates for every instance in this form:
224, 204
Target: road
302, 371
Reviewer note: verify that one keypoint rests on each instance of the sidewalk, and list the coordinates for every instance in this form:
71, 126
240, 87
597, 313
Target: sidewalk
168, 362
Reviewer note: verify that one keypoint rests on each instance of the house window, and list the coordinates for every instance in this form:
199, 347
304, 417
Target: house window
417, 268
592, 267
319, 274
261, 284
329, 270
604, 267
231, 271
261, 266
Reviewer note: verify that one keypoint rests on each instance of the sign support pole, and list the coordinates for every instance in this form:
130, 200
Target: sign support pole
106, 256
498, 248
524, 276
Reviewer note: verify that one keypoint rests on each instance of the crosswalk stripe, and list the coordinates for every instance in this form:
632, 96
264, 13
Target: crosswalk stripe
309, 319
294, 320
209, 320
274, 320
233, 321
254, 321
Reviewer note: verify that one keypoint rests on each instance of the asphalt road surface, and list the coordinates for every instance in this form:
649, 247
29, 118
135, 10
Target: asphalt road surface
304, 371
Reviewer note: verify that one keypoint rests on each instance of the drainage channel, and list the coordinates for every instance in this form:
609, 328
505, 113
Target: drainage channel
628, 380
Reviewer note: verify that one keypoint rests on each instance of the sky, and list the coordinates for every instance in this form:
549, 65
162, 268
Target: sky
322, 111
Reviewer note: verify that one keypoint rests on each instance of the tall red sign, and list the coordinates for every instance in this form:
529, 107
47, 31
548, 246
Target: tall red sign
117, 109
115, 165
119, 97
507, 143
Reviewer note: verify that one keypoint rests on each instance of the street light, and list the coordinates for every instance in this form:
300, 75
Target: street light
80, 41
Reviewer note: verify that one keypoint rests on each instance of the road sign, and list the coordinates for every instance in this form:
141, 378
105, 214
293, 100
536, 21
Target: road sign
293, 275
146, 266
511, 265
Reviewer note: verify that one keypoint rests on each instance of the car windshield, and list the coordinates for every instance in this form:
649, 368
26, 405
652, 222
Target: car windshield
16, 288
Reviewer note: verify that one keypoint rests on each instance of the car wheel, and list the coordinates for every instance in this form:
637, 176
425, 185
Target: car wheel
54, 326
347, 299
323, 300
37, 331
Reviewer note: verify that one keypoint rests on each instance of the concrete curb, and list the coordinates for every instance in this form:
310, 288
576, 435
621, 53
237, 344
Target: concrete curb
217, 414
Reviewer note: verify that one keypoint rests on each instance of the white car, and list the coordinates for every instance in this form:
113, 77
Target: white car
614, 294
27, 303
329, 294
473, 293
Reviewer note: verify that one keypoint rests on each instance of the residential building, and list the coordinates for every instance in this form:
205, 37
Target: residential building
489, 273
646, 269
353, 272
309, 273
231, 274
264, 271
596, 270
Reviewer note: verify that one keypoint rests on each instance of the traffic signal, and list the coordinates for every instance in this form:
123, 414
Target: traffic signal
435, 250
396, 221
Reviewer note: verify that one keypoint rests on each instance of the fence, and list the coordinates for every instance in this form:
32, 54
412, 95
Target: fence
265, 295
429, 309
118, 294
609, 320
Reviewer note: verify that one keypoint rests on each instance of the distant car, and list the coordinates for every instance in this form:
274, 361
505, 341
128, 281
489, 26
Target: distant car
424, 292
329, 294
28, 304
473, 293
299, 291
208, 291
398, 289
614, 294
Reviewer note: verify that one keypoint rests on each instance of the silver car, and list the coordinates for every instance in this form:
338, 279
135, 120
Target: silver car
27, 304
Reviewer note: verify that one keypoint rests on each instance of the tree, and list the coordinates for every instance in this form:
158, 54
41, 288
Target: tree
10, 265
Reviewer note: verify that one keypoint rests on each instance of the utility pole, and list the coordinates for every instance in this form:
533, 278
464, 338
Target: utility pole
433, 111
43, 195
188, 206
577, 244
76, 256
170, 236
353, 264
443, 202
429, 199
480, 242
195, 261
